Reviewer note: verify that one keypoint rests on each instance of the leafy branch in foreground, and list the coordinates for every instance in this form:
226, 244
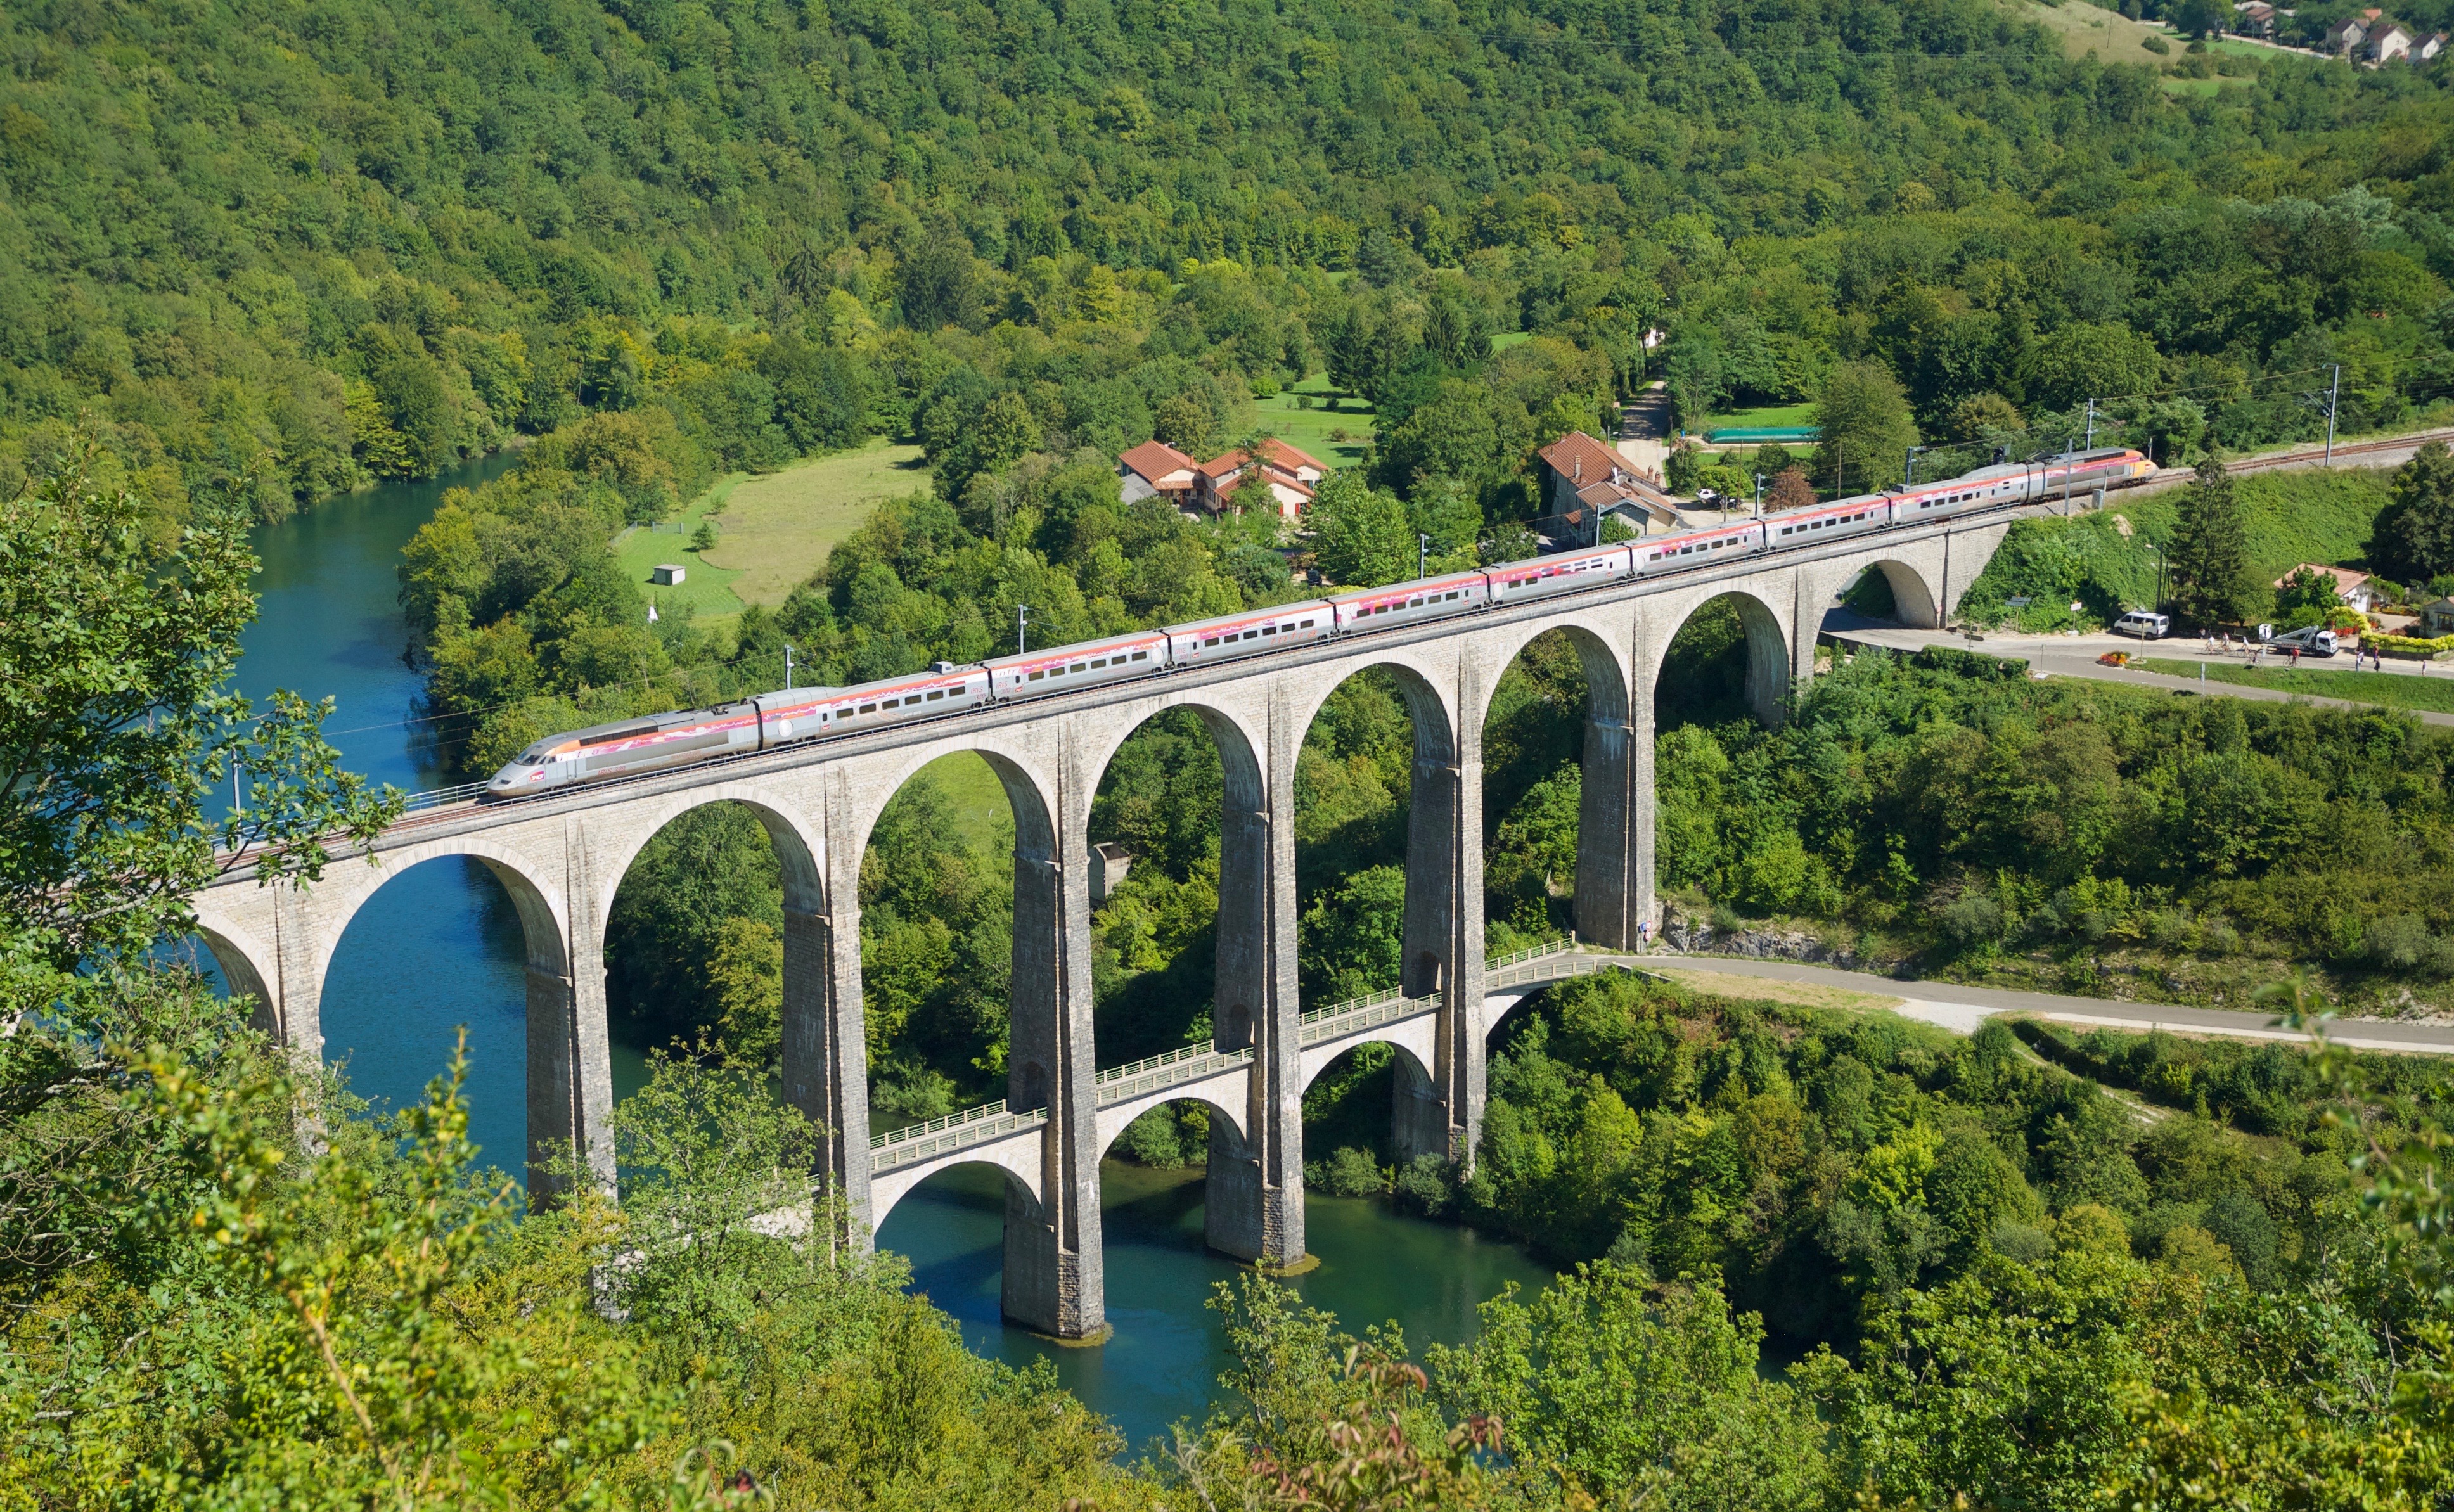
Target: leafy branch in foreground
116, 726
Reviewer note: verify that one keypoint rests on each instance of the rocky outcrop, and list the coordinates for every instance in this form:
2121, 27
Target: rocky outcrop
1699, 937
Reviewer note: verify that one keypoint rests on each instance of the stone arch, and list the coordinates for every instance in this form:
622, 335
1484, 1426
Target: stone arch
1767, 643
1606, 893
1031, 794
1913, 599
1605, 668
1112, 1123
1244, 817
544, 919
1435, 728
1414, 1055
799, 849
249, 969
1019, 1166
1239, 760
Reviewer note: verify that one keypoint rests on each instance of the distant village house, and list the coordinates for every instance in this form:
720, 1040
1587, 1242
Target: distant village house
1156, 468
1290, 477
1584, 480
2351, 585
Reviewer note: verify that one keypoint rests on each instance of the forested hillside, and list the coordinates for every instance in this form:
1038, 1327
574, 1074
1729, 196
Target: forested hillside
315, 245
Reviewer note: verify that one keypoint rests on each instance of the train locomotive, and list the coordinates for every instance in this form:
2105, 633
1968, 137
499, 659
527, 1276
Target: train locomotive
764, 722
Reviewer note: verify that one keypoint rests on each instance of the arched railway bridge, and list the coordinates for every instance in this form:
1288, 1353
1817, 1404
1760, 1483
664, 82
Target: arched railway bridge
561, 857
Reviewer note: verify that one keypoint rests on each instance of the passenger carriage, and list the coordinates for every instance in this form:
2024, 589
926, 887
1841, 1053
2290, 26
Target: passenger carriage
1064, 669
1250, 633
1399, 603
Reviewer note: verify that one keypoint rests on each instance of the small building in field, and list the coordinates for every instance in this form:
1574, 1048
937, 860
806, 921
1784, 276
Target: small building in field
2426, 48
1157, 470
2437, 618
2253, 18
2347, 35
667, 574
2386, 43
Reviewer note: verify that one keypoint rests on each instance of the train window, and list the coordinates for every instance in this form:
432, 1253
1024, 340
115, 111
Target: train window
1078, 667
1307, 624
869, 708
1037, 673
933, 696
1101, 662
1211, 641
1251, 635
1142, 656
1269, 630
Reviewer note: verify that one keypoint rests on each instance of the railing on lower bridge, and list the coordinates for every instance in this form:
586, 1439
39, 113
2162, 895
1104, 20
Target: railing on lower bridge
1538, 966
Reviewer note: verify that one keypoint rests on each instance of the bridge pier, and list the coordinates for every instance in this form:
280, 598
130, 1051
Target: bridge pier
1055, 1279
825, 1045
1253, 1203
1443, 951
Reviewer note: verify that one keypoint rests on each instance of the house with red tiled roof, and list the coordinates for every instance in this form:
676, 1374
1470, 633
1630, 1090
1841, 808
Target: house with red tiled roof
1582, 474
1291, 475
2351, 585
1155, 468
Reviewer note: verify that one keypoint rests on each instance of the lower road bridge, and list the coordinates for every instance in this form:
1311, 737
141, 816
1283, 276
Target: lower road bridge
561, 857
1016, 1141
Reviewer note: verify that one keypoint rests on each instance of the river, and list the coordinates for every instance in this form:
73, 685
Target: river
440, 949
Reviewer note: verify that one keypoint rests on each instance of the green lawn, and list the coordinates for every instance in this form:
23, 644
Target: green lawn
1763, 417
1309, 430
2393, 690
1510, 338
706, 590
776, 529
2085, 29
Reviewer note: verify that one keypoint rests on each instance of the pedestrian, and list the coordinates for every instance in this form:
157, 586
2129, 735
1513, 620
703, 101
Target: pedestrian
1643, 934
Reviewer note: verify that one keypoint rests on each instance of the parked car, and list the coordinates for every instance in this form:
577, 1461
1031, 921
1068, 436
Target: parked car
2145, 623
2310, 641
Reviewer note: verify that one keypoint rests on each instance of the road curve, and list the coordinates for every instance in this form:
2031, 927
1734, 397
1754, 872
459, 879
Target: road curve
1961, 1008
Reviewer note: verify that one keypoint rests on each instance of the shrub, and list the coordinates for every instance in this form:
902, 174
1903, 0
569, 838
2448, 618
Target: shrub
1424, 1186
2398, 941
1349, 1172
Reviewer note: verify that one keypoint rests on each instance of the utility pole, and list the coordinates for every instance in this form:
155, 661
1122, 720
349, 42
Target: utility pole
2334, 392
1759, 496
2090, 443
788, 666
1021, 628
1912, 465
1424, 550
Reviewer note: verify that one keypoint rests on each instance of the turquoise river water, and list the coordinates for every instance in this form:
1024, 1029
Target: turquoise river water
439, 950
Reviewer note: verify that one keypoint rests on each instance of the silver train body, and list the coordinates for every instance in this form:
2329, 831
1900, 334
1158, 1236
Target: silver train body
767, 720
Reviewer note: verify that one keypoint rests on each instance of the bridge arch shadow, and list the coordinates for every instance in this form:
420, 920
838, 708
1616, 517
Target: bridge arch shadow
1375, 1094
1892, 590
1730, 657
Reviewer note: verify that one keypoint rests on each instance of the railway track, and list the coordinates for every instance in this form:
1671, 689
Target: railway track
443, 806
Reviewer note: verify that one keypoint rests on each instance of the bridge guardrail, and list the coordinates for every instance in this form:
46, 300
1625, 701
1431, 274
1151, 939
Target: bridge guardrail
956, 1131
1193, 1062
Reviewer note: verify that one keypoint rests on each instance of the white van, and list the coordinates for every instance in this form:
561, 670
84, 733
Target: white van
2145, 623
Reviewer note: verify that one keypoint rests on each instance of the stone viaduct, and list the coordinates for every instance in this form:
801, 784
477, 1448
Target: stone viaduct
561, 857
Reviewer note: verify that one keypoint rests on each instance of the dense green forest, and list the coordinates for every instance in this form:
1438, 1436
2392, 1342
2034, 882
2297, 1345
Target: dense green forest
223, 1289
253, 255
308, 247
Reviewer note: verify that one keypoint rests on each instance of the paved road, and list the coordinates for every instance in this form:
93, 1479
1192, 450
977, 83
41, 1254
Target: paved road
1963, 1008
1644, 429
2075, 656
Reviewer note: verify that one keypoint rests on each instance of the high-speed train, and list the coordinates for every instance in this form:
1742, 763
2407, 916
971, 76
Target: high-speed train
764, 722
